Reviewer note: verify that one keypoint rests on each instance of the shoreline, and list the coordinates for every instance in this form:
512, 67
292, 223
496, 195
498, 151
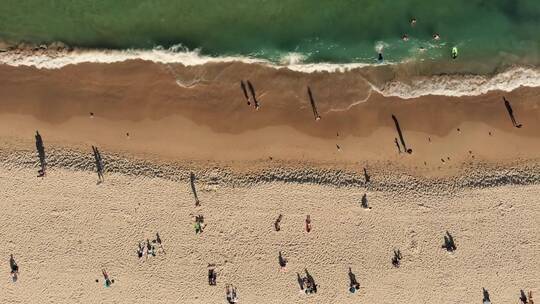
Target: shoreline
471, 172
412, 78
211, 122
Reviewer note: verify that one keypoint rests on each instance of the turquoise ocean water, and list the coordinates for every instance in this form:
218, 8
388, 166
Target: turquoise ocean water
336, 31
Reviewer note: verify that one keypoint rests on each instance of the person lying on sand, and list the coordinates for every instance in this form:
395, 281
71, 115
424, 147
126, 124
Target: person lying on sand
282, 262
14, 268
277, 226
13, 265
158, 241
308, 223
212, 277
108, 282
140, 251
149, 248
232, 297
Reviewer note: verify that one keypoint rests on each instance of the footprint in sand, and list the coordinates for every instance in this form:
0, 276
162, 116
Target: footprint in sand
413, 243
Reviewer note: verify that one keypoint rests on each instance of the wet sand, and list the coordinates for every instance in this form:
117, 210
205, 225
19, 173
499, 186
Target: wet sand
252, 166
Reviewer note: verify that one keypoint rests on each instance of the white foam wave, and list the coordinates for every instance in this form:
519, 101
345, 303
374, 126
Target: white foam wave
446, 85
462, 85
51, 59
55, 60
292, 58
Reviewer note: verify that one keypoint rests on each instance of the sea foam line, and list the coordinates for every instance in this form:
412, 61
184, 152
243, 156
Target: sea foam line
442, 85
462, 85
56, 59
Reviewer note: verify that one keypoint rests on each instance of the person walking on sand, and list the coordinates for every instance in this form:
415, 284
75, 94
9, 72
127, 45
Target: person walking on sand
308, 223
140, 251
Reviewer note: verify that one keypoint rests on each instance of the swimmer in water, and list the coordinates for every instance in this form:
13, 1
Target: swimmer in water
380, 57
405, 37
413, 21
436, 36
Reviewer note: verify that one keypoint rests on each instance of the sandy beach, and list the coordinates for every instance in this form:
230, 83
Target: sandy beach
471, 173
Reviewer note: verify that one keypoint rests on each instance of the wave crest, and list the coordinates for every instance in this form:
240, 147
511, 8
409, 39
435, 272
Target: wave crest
461, 85
58, 56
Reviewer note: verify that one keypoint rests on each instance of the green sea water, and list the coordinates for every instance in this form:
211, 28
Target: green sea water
340, 31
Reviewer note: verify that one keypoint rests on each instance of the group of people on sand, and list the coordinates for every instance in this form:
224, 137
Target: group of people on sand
150, 248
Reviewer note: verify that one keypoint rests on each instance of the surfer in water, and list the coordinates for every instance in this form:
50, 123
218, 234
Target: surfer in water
380, 57
454, 52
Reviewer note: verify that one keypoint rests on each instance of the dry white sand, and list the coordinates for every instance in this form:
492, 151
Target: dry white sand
62, 229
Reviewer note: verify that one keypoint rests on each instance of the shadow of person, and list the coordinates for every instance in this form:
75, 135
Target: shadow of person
282, 261
99, 164
396, 260
353, 283
449, 243
300, 281
253, 95
311, 280
313, 105
193, 190
367, 178
364, 202
511, 113
243, 86
398, 128
41, 155
486, 299
523, 297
